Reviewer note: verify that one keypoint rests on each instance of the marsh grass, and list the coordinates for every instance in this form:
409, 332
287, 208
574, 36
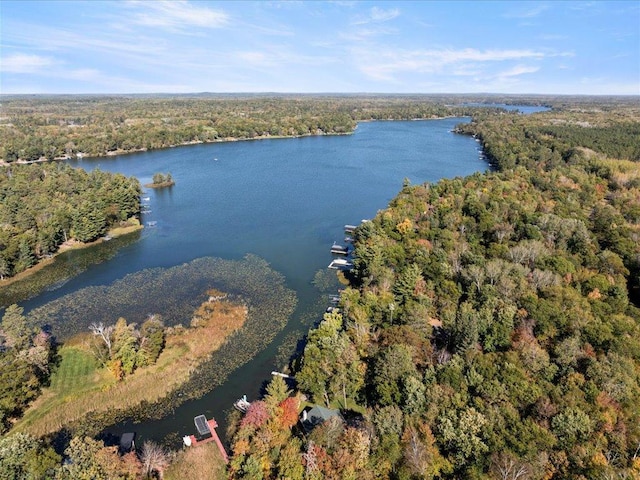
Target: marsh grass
174, 293
79, 387
54, 272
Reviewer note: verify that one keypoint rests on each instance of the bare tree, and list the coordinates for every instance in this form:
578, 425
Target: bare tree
311, 461
475, 274
415, 453
103, 332
541, 279
507, 467
154, 459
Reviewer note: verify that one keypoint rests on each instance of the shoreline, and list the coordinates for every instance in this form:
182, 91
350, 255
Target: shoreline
65, 247
186, 349
114, 153
81, 156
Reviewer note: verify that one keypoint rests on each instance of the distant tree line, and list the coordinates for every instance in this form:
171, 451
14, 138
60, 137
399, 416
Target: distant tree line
44, 205
65, 126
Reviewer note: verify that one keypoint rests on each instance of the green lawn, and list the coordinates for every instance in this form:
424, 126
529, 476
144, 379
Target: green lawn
75, 372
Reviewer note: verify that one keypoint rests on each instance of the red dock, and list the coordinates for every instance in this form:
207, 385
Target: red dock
213, 438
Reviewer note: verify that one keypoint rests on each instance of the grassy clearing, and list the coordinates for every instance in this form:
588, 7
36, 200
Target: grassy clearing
76, 375
78, 387
196, 463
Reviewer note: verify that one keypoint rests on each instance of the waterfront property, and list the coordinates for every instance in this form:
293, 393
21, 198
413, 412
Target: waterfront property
311, 417
206, 433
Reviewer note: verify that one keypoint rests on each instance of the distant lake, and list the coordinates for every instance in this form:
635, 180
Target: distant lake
284, 200
524, 109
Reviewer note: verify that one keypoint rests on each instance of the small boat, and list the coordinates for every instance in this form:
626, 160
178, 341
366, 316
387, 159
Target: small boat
340, 264
152, 223
242, 404
339, 249
145, 199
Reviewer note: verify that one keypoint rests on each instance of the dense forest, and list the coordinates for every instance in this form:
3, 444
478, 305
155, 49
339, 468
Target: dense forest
34, 128
44, 205
487, 331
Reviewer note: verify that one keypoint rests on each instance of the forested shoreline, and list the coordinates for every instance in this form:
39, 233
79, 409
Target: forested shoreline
487, 330
35, 128
43, 206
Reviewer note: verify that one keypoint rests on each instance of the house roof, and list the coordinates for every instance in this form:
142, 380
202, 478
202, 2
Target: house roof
319, 414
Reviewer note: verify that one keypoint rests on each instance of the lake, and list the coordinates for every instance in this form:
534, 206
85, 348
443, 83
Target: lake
283, 200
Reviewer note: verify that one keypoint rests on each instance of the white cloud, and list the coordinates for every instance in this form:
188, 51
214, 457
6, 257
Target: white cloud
177, 15
378, 15
518, 70
366, 33
23, 63
387, 65
529, 13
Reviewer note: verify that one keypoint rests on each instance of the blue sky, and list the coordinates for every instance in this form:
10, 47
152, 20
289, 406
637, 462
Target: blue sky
577, 47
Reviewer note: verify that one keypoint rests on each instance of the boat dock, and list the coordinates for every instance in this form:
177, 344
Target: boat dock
340, 264
207, 433
339, 249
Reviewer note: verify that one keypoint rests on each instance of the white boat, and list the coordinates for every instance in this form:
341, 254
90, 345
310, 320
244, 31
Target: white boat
242, 404
340, 264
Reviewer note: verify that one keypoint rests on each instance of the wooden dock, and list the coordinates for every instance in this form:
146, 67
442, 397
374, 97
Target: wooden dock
193, 441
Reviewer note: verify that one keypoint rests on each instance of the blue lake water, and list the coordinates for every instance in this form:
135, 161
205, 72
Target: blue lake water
524, 109
285, 200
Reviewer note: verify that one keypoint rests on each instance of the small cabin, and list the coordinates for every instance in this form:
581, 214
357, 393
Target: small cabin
311, 417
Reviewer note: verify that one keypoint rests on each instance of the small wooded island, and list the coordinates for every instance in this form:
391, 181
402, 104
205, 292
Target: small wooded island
160, 180
490, 328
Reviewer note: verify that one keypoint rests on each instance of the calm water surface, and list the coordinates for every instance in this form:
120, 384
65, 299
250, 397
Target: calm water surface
285, 200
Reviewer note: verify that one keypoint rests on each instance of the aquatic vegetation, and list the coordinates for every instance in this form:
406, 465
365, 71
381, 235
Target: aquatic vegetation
63, 267
175, 293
